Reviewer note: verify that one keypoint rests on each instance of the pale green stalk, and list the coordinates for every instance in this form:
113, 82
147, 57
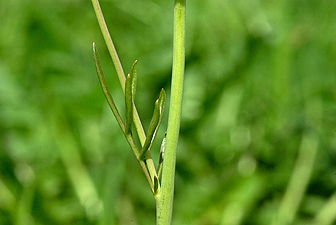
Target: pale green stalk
121, 75
327, 214
299, 180
117, 64
164, 198
163, 195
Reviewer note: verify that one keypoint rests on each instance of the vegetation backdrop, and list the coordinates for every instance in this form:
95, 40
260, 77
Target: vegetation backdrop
258, 133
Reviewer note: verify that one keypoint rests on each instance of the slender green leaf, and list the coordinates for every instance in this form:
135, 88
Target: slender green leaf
130, 89
128, 104
152, 127
105, 88
154, 124
134, 77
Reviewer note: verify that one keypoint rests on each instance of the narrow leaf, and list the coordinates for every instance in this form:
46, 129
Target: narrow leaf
128, 104
130, 89
152, 127
134, 75
154, 124
105, 88
162, 99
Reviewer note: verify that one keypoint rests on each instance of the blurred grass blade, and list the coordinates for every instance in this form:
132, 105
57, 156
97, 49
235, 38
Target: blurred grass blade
128, 104
154, 124
299, 180
327, 214
105, 88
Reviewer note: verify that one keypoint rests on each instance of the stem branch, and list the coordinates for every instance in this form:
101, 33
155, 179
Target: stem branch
121, 75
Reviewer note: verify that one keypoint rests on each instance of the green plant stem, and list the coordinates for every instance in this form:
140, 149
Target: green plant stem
164, 198
114, 109
109, 43
118, 66
121, 75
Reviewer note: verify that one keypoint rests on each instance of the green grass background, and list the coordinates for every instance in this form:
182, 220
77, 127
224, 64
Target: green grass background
258, 132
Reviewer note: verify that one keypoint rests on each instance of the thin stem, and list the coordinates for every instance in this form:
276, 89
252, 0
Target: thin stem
121, 75
114, 109
135, 150
118, 66
109, 43
164, 198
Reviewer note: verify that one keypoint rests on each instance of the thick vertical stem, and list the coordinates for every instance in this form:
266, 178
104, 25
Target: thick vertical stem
164, 199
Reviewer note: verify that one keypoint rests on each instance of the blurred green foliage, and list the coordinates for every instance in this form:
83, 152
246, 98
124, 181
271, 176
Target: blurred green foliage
258, 133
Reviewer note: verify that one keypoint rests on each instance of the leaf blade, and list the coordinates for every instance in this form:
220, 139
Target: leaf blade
154, 124
105, 88
128, 104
